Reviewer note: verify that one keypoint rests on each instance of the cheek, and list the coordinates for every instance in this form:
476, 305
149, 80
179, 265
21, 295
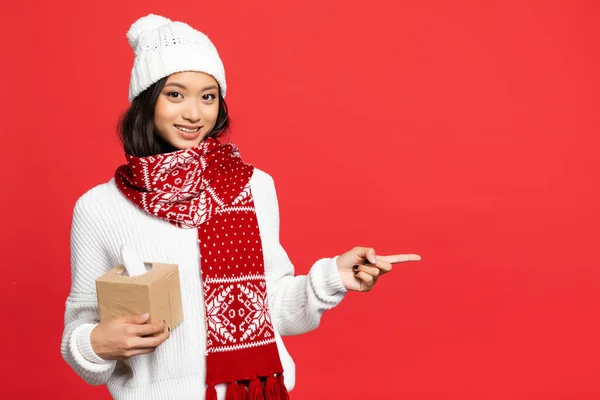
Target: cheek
159, 111
163, 116
165, 112
212, 112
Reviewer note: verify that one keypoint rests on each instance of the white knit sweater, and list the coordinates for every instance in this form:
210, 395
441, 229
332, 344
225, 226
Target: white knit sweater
104, 220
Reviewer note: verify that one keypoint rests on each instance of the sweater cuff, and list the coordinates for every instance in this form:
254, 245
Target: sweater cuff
333, 279
82, 334
327, 282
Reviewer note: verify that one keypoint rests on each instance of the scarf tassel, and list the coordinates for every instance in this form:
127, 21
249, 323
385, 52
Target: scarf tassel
243, 391
282, 389
273, 389
211, 393
235, 391
256, 390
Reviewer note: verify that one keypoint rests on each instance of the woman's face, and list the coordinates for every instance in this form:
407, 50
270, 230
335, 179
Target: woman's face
186, 109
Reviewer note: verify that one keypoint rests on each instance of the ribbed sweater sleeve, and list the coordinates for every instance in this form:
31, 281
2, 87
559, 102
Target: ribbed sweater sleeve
81, 312
297, 302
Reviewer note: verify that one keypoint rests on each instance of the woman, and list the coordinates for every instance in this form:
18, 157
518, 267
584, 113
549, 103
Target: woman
184, 198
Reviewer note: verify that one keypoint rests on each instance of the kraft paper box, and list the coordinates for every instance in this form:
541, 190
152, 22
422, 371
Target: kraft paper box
156, 292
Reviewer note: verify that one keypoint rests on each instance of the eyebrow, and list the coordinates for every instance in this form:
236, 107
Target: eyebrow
179, 85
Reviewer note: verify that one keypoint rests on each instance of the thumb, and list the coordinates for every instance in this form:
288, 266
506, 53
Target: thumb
135, 318
366, 252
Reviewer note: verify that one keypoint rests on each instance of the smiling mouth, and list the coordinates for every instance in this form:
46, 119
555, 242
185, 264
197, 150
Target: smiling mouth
188, 129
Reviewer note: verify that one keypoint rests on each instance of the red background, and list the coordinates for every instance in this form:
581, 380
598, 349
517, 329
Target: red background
466, 132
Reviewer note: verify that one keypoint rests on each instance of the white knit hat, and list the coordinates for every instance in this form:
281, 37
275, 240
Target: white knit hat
163, 47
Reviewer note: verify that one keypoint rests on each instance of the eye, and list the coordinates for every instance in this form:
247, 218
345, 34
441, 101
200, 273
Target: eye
175, 95
209, 97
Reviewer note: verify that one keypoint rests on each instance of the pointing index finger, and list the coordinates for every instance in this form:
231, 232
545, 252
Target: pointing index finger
398, 258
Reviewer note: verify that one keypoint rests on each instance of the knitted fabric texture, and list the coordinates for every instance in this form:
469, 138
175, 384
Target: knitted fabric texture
163, 47
207, 187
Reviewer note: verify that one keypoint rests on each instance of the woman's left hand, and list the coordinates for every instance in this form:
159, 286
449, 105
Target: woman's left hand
360, 268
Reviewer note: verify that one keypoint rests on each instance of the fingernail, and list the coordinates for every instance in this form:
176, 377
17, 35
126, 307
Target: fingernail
145, 315
372, 259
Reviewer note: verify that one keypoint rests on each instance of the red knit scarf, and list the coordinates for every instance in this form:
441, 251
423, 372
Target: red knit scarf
208, 187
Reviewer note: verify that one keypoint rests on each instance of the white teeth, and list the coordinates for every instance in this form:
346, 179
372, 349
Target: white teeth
181, 128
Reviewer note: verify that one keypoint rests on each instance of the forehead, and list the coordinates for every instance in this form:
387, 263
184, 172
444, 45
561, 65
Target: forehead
192, 79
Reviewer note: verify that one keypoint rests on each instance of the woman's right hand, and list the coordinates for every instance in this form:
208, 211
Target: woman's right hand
127, 336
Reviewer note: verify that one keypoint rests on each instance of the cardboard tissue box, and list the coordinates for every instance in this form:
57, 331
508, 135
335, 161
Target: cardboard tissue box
156, 291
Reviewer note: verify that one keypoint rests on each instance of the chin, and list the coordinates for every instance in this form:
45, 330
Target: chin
184, 146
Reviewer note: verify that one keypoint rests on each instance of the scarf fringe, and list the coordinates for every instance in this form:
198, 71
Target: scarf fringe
243, 391
236, 391
272, 389
256, 390
232, 391
211, 393
283, 390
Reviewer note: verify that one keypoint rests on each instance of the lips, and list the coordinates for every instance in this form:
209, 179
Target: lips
188, 128
188, 132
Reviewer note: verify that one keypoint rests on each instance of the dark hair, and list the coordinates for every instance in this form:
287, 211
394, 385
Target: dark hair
136, 126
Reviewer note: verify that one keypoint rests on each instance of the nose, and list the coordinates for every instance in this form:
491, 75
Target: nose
192, 111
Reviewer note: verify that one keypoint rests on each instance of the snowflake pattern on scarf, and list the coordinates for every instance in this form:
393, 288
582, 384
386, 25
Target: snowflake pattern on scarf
207, 187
